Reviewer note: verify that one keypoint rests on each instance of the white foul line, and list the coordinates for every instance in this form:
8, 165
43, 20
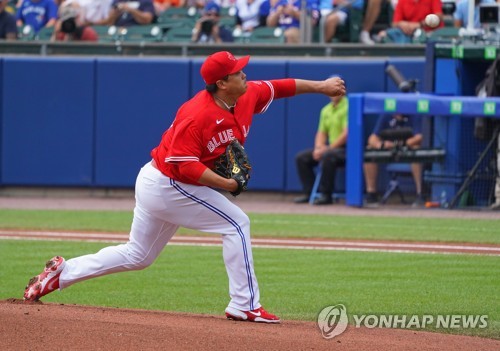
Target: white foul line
266, 243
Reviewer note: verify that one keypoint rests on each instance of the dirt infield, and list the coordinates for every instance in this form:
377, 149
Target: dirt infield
37, 326
30, 326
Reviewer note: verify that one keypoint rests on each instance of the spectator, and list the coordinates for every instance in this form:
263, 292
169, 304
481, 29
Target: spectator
92, 10
8, 27
69, 26
409, 16
338, 16
286, 15
207, 28
163, 5
37, 14
371, 14
461, 14
329, 149
375, 141
125, 13
248, 15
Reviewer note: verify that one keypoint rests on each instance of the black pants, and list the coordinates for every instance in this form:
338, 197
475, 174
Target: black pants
331, 160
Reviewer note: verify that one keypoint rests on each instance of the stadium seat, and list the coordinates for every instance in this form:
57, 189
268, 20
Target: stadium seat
229, 22
25, 33
179, 34
142, 33
444, 33
44, 34
267, 35
178, 13
228, 11
107, 34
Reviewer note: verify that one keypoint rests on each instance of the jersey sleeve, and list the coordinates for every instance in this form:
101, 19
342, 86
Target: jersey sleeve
186, 149
267, 91
185, 144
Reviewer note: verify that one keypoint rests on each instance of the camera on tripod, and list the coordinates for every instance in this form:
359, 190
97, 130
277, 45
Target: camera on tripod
406, 86
207, 26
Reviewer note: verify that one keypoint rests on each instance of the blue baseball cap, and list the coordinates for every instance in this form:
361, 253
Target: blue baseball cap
211, 7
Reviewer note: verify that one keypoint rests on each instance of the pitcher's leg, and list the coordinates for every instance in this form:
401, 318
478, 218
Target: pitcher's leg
148, 236
214, 213
238, 258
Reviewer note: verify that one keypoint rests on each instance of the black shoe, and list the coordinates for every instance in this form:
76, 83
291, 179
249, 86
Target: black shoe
301, 199
371, 200
495, 206
419, 201
323, 200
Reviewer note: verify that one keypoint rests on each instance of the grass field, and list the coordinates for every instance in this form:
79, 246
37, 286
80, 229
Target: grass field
295, 284
281, 225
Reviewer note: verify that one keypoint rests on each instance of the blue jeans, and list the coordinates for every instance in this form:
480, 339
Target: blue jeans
396, 35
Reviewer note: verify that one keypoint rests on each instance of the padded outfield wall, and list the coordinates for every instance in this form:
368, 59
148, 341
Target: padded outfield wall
91, 122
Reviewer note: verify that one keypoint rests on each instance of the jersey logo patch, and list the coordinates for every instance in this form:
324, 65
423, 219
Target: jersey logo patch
219, 121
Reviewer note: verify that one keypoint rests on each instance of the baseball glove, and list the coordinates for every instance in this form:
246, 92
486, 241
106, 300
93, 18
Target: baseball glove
234, 164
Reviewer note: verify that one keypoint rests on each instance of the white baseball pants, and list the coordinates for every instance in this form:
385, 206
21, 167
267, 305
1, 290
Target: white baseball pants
162, 206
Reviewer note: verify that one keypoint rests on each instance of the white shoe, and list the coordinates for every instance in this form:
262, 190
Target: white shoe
364, 37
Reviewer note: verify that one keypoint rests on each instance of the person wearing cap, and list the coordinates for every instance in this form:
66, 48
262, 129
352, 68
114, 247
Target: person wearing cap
8, 27
207, 29
37, 14
69, 25
125, 13
179, 188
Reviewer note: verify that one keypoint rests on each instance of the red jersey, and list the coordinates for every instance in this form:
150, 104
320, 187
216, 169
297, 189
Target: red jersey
416, 10
201, 129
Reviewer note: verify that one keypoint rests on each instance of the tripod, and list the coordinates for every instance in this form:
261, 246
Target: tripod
472, 174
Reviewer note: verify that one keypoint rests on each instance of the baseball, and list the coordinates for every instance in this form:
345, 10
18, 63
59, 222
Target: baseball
432, 20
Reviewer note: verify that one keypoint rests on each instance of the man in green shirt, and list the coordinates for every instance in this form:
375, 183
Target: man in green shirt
329, 149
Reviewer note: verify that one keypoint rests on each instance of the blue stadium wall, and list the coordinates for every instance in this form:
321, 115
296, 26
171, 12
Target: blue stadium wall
91, 122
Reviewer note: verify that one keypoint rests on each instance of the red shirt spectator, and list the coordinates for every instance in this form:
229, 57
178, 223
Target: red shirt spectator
416, 11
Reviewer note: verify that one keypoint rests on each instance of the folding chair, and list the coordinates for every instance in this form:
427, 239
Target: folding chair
336, 196
396, 170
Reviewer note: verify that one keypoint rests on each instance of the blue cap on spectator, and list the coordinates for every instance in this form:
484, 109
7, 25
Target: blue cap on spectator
211, 7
